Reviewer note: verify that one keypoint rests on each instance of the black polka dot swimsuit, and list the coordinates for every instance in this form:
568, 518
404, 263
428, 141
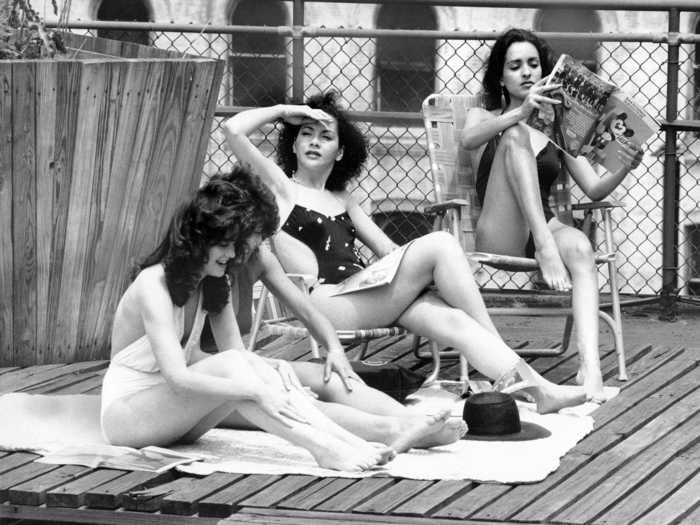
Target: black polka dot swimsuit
331, 238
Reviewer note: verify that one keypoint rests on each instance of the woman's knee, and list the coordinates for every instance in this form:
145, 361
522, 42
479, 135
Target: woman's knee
515, 138
576, 249
439, 242
223, 364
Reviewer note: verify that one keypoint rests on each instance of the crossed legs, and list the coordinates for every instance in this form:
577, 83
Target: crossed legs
512, 209
456, 316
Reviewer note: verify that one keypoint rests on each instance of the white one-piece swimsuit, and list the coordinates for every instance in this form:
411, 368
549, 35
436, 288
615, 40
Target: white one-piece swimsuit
135, 368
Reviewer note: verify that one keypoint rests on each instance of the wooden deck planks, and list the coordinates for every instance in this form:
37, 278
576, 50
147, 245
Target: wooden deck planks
316, 494
349, 498
644, 450
593, 473
72, 494
224, 502
641, 385
682, 504
422, 503
184, 501
25, 378
616, 486
393, 496
21, 474
279, 490
109, 495
655, 489
33, 491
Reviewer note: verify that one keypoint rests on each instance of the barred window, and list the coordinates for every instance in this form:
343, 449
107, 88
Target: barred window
572, 21
258, 62
127, 11
405, 72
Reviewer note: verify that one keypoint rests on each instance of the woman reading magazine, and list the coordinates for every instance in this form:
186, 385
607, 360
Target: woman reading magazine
516, 168
319, 152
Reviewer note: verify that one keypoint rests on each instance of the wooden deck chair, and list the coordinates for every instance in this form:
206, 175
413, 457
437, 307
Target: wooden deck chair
457, 209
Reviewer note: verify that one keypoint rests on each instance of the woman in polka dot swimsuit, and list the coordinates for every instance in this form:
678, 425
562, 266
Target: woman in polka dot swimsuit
319, 152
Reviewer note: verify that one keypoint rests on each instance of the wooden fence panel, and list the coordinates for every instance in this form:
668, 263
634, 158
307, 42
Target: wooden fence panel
45, 126
24, 211
95, 154
67, 89
6, 255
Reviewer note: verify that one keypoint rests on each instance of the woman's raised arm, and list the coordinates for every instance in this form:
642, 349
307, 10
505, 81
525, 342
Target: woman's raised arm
240, 126
237, 130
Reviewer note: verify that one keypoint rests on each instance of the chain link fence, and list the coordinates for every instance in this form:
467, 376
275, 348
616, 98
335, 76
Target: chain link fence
383, 90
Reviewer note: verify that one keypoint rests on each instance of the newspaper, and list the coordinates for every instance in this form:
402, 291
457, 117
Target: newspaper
594, 117
150, 459
378, 273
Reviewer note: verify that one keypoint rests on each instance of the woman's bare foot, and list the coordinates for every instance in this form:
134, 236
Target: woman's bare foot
552, 268
335, 454
424, 431
552, 398
386, 453
591, 378
548, 396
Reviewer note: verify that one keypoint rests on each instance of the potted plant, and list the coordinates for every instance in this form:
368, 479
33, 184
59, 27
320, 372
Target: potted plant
99, 141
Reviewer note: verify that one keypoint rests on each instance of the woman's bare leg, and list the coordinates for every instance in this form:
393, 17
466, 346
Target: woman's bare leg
513, 199
512, 208
431, 317
464, 325
435, 258
158, 416
577, 253
374, 416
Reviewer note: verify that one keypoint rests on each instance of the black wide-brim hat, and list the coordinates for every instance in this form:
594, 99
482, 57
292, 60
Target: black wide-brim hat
493, 416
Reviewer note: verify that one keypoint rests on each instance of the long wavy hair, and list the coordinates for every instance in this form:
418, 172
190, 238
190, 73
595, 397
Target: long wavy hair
494, 94
350, 138
228, 208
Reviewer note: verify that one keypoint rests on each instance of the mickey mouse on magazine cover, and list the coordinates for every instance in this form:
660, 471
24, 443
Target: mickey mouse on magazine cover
615, 129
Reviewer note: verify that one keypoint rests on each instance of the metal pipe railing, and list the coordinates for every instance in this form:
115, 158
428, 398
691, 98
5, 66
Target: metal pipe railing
669, 242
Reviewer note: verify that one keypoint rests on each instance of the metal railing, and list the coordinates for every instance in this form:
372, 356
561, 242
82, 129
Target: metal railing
657, 256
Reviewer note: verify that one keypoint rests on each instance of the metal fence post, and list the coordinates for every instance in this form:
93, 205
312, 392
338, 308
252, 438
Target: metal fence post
297, 52
669, 250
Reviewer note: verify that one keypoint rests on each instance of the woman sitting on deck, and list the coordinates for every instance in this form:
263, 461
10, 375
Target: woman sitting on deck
320, 151
157, 392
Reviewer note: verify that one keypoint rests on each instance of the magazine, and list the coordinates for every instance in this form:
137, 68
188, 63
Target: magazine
594, 118
378, 273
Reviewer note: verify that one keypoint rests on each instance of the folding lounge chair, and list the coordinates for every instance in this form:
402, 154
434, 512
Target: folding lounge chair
457, 210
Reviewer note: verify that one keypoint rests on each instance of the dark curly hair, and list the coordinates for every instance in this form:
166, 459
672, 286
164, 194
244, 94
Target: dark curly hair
350, 139
228, 208
494, 93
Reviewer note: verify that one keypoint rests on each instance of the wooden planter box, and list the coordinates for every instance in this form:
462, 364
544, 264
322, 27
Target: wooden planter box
97, 148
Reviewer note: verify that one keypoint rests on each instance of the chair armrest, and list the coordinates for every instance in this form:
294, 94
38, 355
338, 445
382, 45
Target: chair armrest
442, 207
597, 205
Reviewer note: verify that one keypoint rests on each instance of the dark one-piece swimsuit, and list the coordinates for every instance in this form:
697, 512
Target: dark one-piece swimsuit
548, 168
332, 240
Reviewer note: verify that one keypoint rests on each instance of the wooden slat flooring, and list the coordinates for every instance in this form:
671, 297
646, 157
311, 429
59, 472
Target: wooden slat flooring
641, 464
